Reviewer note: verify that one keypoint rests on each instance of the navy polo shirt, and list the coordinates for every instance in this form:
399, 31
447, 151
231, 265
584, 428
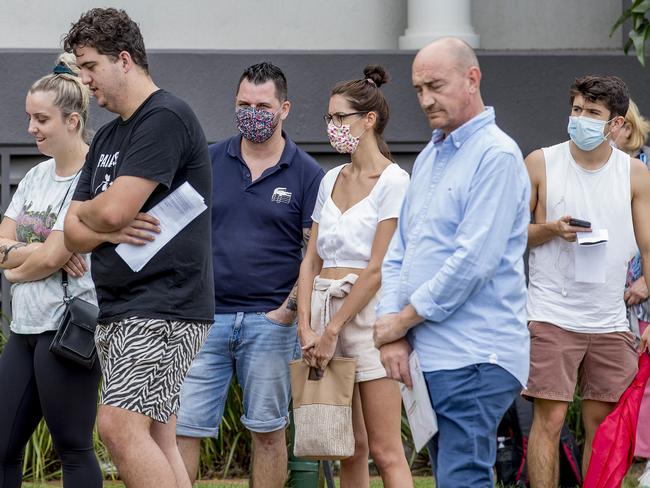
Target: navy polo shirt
257, 225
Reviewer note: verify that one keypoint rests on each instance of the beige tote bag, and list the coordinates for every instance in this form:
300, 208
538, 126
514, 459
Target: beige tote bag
322, 409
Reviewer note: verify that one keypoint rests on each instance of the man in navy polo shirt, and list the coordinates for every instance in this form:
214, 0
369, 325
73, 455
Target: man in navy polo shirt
264, 190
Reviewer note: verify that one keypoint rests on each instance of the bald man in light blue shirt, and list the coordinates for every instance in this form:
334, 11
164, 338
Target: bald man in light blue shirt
453, 284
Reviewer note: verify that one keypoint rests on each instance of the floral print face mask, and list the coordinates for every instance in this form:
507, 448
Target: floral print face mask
256, 125
342, 139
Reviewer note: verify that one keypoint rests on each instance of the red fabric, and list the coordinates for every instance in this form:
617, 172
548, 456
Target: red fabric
642, 448
613, 447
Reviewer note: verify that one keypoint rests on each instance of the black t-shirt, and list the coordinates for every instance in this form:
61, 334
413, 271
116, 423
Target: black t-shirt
162, 141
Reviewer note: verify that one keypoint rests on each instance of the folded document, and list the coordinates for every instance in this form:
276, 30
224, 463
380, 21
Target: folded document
591, 256
417, 404
174, 212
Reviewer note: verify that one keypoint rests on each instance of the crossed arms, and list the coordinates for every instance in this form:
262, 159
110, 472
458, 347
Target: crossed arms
113, 216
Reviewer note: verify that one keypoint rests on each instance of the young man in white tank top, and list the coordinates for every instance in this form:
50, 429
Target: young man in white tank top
579, 330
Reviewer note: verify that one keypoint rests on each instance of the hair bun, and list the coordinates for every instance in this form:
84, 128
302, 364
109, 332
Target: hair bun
68, 60
376, 73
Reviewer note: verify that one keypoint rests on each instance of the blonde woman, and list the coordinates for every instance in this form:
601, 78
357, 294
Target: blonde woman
34, 383
632, 137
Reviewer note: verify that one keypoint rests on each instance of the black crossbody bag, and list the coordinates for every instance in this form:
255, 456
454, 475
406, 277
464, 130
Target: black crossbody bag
75, 334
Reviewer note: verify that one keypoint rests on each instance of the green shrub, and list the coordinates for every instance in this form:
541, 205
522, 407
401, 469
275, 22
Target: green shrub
229, 455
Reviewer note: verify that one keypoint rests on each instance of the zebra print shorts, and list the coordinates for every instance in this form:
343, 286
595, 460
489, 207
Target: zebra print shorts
144, 362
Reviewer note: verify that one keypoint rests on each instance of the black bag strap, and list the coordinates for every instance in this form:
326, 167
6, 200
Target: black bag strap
67, 298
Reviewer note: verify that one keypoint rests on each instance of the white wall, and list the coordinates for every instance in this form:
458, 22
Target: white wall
315, 24
547, 24
219, 24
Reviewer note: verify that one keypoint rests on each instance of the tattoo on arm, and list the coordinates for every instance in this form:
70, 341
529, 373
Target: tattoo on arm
292, 300
4, 250
306, 234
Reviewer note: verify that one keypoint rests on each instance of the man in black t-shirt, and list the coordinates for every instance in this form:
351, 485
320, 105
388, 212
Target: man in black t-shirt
152, 322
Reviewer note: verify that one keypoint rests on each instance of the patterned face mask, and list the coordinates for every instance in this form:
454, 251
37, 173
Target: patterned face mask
342, 139
256, 125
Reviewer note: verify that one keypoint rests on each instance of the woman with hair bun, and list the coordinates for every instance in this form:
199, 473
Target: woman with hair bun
35, 383
354, 219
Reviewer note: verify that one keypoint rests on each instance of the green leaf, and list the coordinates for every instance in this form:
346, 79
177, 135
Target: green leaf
637, 22
640, 7
638, 39
628, 45
231, 454
620, 21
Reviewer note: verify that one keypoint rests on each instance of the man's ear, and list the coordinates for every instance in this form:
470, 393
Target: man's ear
617, 124
285, 108
125, 61
474, 79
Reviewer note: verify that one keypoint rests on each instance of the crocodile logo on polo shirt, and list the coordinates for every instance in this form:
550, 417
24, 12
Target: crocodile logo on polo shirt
281, 195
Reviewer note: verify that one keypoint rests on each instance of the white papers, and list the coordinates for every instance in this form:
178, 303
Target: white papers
174, 212
417, 404
591, 256
596, 236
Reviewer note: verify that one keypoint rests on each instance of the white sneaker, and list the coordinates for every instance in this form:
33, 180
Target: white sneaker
644, 479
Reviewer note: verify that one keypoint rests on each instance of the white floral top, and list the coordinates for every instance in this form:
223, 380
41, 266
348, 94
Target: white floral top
37, 306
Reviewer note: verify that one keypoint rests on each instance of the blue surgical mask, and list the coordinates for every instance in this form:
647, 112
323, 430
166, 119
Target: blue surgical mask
587, 133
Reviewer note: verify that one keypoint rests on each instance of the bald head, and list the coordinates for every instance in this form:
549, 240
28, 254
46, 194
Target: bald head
450, 49
447, 79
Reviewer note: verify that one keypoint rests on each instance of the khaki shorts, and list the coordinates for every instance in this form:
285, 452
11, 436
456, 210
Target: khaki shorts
603, 365
355, 339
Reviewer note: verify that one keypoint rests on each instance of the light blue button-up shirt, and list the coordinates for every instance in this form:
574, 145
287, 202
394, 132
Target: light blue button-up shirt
457, 254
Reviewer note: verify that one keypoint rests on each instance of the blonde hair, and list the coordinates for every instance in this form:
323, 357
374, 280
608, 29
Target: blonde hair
71, 95
640, 129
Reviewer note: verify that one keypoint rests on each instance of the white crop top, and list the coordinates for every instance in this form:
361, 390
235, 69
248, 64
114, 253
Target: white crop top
345, 239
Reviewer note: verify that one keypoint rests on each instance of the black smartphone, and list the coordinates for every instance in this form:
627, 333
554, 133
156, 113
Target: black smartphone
580, 223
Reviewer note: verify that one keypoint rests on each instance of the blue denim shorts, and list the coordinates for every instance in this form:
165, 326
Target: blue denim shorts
258, 351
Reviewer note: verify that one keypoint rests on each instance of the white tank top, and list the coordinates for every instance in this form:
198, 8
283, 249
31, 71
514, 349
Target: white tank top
602, 197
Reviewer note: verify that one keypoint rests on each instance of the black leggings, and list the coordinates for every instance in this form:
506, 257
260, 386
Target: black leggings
34, 383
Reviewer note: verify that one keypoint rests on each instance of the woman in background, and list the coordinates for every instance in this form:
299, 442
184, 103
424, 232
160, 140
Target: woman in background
631, 138
34, 383
355, 217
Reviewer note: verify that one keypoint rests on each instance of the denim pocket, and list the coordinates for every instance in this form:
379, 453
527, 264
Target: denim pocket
279, 324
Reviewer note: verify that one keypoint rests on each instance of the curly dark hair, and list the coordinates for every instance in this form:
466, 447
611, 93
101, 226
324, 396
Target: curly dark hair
110, 31
610, 90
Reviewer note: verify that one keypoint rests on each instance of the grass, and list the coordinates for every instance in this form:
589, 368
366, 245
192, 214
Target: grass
418, 482
375, 483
